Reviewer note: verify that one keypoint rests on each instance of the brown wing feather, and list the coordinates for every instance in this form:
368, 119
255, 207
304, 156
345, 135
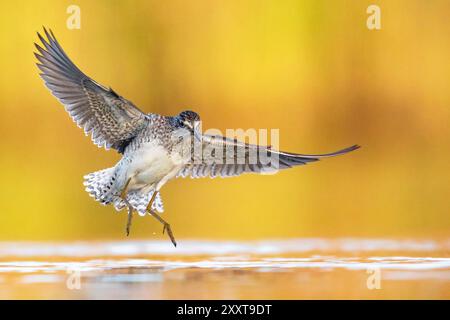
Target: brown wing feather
245, 158
111, 120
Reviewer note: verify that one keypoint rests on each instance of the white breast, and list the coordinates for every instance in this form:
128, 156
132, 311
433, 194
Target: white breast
152, 166
149, 165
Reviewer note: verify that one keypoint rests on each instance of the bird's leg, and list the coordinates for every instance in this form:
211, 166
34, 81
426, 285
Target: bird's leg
123, 195
149, 206
124, 192
130, 217
166, 226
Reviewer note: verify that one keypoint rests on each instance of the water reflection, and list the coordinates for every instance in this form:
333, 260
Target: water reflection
190, 247
305, 268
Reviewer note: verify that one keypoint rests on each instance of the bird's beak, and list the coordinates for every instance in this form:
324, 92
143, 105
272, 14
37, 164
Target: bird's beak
198, 130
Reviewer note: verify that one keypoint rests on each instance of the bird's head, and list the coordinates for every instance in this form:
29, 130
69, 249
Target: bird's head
189, 120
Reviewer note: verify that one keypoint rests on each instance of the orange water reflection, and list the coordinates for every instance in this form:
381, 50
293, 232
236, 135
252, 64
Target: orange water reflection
292, 269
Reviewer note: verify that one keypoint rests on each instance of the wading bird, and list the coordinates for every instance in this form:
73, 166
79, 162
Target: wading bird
154, 148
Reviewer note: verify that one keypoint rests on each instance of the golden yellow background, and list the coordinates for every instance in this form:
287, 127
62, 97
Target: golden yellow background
310, 68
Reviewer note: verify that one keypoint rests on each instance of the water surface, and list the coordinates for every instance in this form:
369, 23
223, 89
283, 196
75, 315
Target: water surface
272, 269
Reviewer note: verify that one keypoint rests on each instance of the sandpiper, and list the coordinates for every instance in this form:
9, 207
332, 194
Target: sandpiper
154, 148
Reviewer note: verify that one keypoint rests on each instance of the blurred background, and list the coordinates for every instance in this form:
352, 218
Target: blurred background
309, 68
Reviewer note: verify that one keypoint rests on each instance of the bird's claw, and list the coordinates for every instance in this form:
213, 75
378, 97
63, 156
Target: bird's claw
166, 226
169, 232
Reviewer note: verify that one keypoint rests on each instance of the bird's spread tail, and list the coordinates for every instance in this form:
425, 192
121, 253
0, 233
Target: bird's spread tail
101, 185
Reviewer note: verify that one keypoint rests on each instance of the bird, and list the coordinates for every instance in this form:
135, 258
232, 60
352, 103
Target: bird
154, 148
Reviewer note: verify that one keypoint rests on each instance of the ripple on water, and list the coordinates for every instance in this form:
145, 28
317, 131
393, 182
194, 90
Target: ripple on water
217, 248
264, 263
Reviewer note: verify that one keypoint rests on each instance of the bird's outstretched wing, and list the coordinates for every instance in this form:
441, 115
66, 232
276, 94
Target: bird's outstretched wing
111, 120
236, 158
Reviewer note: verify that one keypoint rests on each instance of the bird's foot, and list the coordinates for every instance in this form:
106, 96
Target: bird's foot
169, 232
166, 226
